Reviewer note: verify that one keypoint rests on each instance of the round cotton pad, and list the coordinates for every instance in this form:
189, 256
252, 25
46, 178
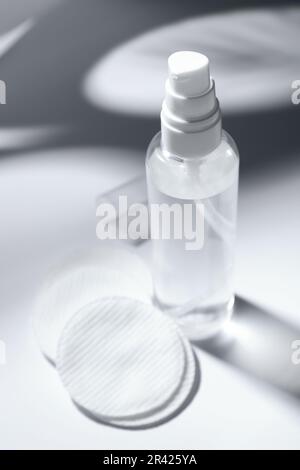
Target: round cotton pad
82, 280
120, 358
180, 400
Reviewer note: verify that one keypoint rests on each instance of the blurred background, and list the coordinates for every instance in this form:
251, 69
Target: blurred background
84, 85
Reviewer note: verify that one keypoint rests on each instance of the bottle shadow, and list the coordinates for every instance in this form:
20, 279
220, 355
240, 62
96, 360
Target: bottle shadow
258, 343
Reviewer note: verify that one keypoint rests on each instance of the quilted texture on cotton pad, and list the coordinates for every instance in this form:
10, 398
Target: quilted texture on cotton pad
176, 404
121, 358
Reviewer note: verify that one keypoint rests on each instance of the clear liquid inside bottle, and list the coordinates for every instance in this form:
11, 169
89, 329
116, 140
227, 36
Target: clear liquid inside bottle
196, 286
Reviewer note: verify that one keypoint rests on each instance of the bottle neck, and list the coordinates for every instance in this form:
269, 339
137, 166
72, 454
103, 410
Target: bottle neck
191, 126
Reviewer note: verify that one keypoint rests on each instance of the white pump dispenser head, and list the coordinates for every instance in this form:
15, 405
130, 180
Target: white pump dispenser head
189, 73
190, 117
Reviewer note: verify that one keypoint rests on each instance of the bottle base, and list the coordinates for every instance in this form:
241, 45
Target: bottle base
202, 323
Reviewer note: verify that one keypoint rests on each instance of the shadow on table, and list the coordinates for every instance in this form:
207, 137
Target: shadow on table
259, 344
47, 109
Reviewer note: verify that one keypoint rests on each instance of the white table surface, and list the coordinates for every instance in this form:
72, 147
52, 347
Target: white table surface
47, 207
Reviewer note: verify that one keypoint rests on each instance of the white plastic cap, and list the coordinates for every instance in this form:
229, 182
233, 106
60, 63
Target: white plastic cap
190, 118
189, 73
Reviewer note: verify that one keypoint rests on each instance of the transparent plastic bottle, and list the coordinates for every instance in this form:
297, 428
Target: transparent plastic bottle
188, 166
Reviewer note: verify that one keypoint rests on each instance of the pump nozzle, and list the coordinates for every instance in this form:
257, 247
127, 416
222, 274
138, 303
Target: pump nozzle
189, 73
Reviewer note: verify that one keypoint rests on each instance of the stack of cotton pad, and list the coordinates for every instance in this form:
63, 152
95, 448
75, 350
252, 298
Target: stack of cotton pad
122, 361
125, 363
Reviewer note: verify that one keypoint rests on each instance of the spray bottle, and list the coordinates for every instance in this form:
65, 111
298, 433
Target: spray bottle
192, 162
